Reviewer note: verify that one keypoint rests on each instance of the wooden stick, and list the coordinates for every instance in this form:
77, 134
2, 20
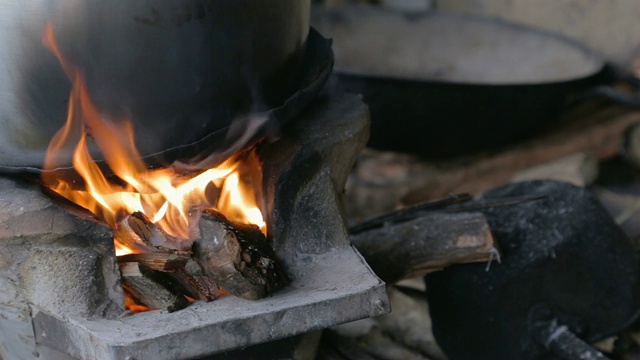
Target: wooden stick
150, 288
196, 285
137, 232
159, 261
185, 274
432, 242
162, 252
408, 213
238, 257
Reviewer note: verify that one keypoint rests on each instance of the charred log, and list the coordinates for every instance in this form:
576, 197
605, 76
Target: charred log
158, 261
184, 272
238, 257
196, 285
165, 253
137, 232
428, 243
151, 288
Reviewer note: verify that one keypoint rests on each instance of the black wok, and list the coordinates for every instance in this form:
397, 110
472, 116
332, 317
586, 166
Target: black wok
444, 84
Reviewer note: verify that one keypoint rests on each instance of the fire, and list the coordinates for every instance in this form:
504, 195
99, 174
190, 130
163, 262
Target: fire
168, 199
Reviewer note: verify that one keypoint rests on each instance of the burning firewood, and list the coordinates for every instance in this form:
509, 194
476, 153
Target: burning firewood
164, 253
151, 288
238, 257
180, 273
141, 235
159, 261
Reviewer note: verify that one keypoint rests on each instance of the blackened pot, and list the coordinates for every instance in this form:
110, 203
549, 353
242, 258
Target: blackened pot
179, 69
444, 84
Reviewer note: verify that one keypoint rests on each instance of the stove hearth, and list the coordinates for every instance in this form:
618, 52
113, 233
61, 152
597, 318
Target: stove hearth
64, 296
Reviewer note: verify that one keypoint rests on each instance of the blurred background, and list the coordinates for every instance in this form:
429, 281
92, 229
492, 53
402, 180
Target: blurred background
609, 27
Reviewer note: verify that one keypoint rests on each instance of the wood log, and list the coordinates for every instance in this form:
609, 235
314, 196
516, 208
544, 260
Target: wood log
159, 261
162, 252
138, 233
238, 257
414, 248
408, 213
185, 272
151, 288
197, 286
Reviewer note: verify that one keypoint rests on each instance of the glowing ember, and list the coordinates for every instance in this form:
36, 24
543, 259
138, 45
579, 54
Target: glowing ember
131, 305
170, 200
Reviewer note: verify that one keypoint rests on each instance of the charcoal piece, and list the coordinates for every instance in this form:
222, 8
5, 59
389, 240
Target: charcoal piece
238, 257
562, 252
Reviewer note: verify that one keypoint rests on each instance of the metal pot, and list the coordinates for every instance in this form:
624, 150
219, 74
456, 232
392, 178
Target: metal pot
448, 84
180, 69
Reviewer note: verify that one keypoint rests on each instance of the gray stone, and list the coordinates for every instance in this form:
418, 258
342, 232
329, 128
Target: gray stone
307, 169
50, 260
65, 280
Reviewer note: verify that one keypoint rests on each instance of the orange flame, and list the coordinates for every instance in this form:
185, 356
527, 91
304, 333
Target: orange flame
166, 198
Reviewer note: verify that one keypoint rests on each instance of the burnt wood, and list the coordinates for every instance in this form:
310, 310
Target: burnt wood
165, 253
408, 213
195, 284
151, 288
238, 257
138, 232
159, 261
428, 243
184, 272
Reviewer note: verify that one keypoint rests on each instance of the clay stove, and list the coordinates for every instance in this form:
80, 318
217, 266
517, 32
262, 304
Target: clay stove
61, 287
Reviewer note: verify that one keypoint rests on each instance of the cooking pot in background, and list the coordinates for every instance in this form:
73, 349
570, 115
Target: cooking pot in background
180, 69
442, 84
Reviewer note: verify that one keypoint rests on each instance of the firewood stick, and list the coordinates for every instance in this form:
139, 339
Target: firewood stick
238, 257
181, 272
162, 252
150, 287
410, 212
136, 231
429, 243
197, 286
159, 261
